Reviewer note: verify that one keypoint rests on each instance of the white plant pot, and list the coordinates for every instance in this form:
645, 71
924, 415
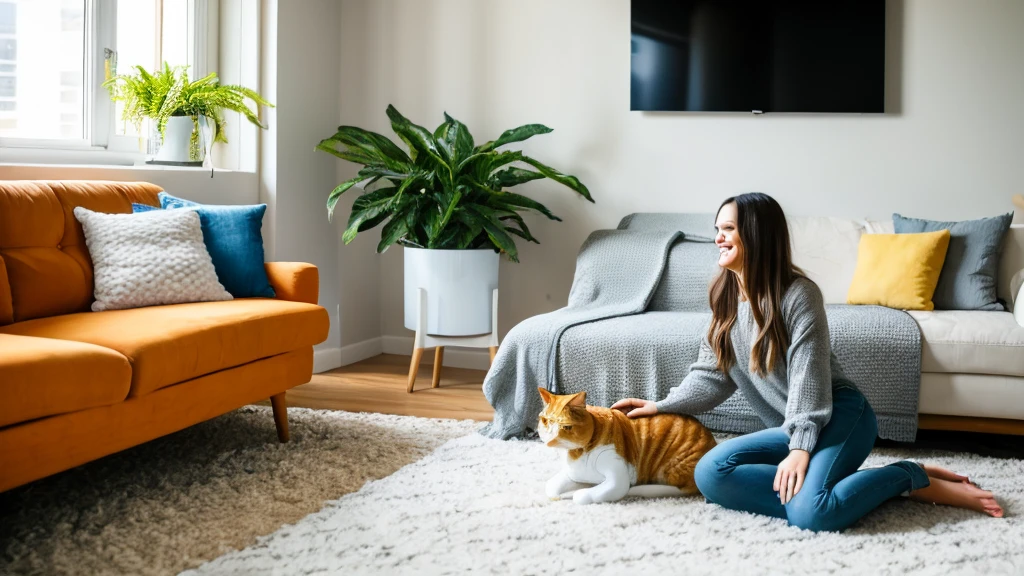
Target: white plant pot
177, 141
459, 285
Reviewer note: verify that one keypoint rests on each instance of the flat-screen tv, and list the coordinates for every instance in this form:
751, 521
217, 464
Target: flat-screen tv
758, 55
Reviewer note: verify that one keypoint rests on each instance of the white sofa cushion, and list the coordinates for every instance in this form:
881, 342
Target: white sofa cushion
978, 395
971, 342
879, 227
826, 249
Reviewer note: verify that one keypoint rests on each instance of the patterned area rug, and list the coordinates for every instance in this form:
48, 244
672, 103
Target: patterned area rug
476, 506
176, 502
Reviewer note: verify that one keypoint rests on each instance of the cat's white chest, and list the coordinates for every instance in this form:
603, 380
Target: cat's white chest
586, 468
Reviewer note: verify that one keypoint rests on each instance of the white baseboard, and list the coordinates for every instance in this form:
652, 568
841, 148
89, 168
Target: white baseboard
360, 351
331, 358
475, 358
326, 359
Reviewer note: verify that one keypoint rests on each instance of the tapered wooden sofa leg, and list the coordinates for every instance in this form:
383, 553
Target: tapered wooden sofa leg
280, 416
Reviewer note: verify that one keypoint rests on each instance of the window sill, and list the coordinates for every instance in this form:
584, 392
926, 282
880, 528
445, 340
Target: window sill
96, 158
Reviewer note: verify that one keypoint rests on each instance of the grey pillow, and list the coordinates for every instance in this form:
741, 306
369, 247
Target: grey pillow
968, 278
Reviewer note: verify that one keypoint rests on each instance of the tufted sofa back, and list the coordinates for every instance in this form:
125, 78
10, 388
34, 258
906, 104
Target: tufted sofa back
45, 269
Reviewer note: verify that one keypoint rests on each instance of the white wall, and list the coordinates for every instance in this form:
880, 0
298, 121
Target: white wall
301, 76
951, 147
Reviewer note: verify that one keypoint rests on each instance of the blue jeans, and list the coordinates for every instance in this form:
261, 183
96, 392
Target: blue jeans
739, 473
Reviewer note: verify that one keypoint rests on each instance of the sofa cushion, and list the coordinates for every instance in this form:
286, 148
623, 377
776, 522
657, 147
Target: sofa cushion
170, 344
898, 270
978, 395
43, 377
968, 279
826, 250
970, 342
149, 259
234, 237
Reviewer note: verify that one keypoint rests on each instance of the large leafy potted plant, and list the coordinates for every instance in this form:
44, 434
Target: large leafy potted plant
446, 202
178, 106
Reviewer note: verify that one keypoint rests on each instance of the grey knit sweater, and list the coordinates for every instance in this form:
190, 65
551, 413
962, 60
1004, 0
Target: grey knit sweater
797, 395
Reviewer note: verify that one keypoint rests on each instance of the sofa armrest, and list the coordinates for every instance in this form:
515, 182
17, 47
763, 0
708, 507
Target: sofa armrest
294, 281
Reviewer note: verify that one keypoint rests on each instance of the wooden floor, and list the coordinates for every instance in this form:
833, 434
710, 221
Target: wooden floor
378, 384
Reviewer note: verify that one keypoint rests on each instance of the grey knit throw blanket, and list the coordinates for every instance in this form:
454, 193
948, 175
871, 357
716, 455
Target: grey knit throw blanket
617, 272
603, 344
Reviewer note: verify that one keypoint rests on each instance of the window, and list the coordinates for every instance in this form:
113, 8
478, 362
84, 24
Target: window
53, 57
8, 49
136, 45
7, 17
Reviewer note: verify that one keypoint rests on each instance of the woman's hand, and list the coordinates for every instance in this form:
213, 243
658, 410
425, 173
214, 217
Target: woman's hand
635, 407
789, 478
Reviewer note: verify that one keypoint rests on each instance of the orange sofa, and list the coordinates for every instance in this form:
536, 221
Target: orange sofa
77, 385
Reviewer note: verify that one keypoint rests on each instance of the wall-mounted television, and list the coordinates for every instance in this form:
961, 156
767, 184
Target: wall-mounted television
758, 55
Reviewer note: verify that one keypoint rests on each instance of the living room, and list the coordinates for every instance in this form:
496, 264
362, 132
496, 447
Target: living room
336, 427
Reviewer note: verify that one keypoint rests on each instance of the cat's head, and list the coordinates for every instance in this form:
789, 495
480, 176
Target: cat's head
565, 422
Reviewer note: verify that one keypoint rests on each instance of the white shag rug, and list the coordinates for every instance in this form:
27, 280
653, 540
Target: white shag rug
476, 506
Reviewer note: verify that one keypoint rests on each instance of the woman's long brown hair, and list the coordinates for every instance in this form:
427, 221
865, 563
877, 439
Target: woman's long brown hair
768, 272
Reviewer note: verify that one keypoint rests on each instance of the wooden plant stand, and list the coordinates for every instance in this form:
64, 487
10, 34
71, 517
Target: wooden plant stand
424, 340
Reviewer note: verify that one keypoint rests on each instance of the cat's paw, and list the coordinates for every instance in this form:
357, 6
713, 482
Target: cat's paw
583, 497
553, 491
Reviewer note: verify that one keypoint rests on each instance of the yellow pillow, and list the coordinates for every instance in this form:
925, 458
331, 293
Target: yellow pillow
898, 270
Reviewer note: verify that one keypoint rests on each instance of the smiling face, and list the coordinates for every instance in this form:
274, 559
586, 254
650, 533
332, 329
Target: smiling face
730, 246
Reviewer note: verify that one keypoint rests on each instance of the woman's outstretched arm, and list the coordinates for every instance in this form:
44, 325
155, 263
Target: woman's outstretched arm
703, 388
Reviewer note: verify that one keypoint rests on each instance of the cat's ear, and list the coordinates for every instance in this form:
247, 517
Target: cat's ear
545, 395
579, 399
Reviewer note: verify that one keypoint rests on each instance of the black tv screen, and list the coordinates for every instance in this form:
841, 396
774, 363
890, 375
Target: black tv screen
758, 55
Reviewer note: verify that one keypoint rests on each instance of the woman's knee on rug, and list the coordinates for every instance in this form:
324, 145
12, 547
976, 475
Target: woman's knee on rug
712, 475
812, 511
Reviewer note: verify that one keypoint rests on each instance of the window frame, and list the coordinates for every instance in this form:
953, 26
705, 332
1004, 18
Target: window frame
101, 143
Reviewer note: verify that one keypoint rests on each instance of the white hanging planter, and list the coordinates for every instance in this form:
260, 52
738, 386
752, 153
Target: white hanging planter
459, 286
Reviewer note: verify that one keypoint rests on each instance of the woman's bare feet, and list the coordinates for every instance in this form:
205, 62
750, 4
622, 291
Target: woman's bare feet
959, 493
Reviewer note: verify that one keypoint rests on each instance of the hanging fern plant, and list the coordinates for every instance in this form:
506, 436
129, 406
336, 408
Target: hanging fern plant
169, 92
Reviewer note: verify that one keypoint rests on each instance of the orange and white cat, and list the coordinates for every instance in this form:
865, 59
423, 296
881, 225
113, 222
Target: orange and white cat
612, 452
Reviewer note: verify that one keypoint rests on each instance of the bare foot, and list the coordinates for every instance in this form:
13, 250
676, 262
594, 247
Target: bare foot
960, 494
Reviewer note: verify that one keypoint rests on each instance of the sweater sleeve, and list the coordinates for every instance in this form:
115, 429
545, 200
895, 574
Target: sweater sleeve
702, 389
809, 399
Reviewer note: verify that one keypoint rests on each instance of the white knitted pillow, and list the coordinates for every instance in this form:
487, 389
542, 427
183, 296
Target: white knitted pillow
148, 258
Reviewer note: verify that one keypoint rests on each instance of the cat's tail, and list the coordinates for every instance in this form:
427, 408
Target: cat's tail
656, 491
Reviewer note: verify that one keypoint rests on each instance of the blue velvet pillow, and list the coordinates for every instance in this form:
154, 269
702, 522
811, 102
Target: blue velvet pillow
234, 239
136, 208
968, 278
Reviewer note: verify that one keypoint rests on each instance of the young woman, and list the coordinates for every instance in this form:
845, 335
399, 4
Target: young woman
769, 338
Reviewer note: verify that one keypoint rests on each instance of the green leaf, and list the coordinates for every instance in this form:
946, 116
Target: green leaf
447, 214
566, 180
473, 228
513, 177
512, 201
458, 138
515, 135
372, 145
328, 145
416, 136
368, 207
332, 199
523, 231
495, 230
394, 230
